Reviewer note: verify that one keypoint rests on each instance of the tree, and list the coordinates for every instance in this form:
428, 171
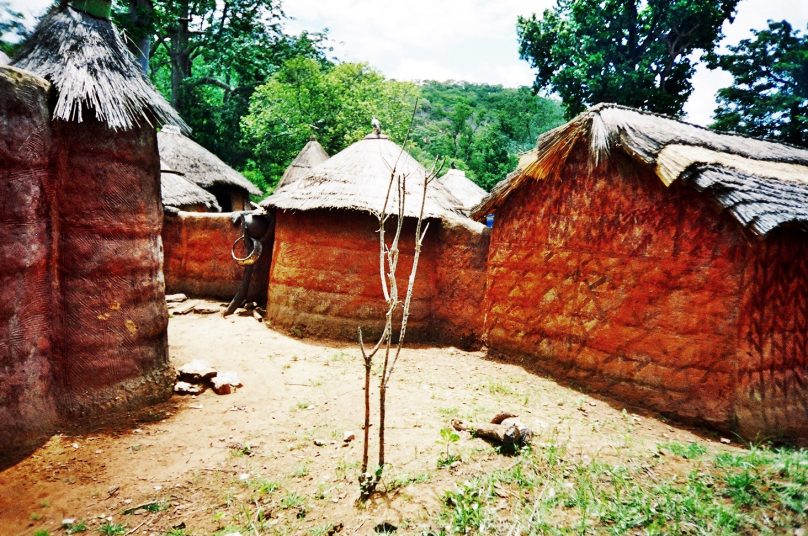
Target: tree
769, 94
480, 128
639, 53
208, 57
335, 103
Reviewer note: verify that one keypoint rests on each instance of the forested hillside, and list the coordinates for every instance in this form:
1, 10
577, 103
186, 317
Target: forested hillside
478, 128
481, 128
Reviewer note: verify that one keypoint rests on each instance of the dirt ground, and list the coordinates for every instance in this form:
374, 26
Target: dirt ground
270, 458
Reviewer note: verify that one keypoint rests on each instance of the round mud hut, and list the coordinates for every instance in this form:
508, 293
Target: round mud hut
660, 263
312, 154
182, 155
85, 316
325, 277
179, 193
467, 192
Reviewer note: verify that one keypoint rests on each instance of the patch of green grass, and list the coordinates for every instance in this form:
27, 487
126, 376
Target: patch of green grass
690, 451
756, 491
404, 480
36, 516
76, 527
112, 529
497, 388
301, 471
300, 406
41, 532
292, 500
176, 532
262, 486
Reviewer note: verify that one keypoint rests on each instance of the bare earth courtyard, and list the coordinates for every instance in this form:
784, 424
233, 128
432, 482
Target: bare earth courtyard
270, 458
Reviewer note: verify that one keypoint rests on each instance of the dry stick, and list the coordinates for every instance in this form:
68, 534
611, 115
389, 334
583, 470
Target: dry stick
419, 236
393, 265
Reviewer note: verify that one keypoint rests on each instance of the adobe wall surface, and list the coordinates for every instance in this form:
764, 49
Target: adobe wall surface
324, 279
198, 261
461, 272
27, 406
771, 395
83, 324
621, 285
113, 312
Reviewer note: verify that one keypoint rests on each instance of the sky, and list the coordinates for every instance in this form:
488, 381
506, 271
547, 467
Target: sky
473, 40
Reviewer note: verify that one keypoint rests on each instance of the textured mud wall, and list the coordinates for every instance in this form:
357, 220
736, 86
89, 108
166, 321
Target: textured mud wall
324, 280
197, 255
461, 272
27, 406
772, 390
82, 310
113, 313
621, 285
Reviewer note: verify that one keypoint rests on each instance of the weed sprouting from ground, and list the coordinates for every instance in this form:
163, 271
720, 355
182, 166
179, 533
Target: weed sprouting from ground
549, 492
691, 451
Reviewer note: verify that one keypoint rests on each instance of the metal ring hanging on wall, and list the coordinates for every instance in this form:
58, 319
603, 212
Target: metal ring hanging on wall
252, 257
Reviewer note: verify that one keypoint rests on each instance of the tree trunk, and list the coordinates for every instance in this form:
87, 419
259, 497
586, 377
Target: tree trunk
180, 56
141, 15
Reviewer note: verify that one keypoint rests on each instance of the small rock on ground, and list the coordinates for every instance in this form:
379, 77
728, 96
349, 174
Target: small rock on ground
195, 371
225, 383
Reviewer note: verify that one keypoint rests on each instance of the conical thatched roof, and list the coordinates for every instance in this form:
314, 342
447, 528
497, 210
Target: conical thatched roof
90, 67
357, 178
463, 189
4, 59
763, 184
178, 192
183, 155
311, 155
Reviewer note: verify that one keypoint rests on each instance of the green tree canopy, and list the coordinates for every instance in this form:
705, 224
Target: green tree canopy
769, 94
208, 57
334, 102
481, 128
633, 52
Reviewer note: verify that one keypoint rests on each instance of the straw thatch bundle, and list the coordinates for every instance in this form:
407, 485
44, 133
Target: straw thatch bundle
311, 155
4, 59
179, 192
467, 192
183, 155
88, 63
357, 178
763, 184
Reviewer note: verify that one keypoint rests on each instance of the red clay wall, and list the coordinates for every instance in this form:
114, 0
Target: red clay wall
324, 280
113, 313
198, 258
655, 297
622, 285
772, 392
83, 325
27, 406
461, 270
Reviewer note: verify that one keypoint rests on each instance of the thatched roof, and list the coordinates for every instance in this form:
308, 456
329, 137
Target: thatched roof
4, 59
309, 156
183, 155
763, 184
90, 67
179, 192
357, 178
463, 189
